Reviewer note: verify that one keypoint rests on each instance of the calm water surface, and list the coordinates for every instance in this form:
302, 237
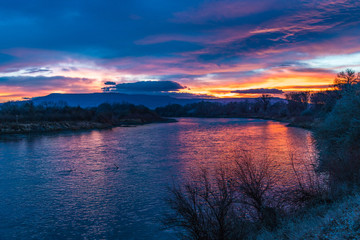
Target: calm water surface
110, 184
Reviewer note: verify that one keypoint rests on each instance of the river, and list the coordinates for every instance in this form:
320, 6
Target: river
111, 184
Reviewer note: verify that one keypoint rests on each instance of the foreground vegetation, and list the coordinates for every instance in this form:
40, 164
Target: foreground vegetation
23, 117
243, 202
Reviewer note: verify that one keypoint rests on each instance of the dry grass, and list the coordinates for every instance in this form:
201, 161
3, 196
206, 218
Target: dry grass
338, 220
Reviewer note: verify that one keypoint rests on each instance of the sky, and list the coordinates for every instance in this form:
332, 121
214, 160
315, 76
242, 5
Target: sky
185, 48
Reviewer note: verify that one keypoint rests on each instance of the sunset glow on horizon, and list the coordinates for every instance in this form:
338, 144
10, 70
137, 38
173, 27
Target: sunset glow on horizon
211, 48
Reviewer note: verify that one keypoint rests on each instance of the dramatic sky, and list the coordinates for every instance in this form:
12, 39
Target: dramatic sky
220, 48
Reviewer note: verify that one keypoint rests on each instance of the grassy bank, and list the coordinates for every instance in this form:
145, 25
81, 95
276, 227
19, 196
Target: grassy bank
41, 127
337, 220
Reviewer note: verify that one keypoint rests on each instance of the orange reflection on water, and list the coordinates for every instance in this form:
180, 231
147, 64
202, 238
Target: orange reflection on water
221, 144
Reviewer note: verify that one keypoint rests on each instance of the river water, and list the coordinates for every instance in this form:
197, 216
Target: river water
111, 184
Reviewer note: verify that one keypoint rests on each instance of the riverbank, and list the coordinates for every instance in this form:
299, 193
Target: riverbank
337, 220
297, 116
299, 122
46, 126
304, 122
49, 126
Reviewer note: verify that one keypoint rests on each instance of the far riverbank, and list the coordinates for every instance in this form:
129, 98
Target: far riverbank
46, 126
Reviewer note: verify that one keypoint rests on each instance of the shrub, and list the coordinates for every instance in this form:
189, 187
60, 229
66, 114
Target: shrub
231, 203
255, 180
204, 208
310, 186
338, 140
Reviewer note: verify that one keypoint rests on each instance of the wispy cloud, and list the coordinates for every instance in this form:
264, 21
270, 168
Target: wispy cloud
212, 11
41, 83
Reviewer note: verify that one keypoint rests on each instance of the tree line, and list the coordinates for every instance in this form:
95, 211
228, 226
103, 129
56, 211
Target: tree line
295, 104
23, 112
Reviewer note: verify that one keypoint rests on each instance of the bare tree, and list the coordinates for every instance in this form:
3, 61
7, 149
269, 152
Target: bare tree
217, 204
204, 207
310, 186
255, 179
345, 79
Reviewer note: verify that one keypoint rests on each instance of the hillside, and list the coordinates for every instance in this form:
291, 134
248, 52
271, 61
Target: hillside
150, 101
94, 99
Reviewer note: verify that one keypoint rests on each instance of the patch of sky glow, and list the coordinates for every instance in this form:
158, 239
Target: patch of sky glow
12, 73
260, 70
207, 78
336, 62
75, 64
137, 78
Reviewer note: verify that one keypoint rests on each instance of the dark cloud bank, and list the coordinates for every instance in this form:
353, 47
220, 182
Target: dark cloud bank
144, 86
260, 91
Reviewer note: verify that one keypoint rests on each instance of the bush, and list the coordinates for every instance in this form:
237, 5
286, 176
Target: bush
230, 203
338, 140
255, 181
310, 188
205, 208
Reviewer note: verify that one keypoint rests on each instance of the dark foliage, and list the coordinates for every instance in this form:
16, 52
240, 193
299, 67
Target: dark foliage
324, 101
260, 107
346, 79
297, 102
338, 139
56, 112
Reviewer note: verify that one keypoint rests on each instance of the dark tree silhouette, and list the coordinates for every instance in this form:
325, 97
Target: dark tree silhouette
297, 102
255, 179
265, 100
227, 204
204, 207
345, 79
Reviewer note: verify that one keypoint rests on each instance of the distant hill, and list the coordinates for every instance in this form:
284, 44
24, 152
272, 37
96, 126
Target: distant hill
94, 99
150, 101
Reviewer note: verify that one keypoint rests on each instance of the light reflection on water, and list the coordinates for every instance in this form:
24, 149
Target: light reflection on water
111, 183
